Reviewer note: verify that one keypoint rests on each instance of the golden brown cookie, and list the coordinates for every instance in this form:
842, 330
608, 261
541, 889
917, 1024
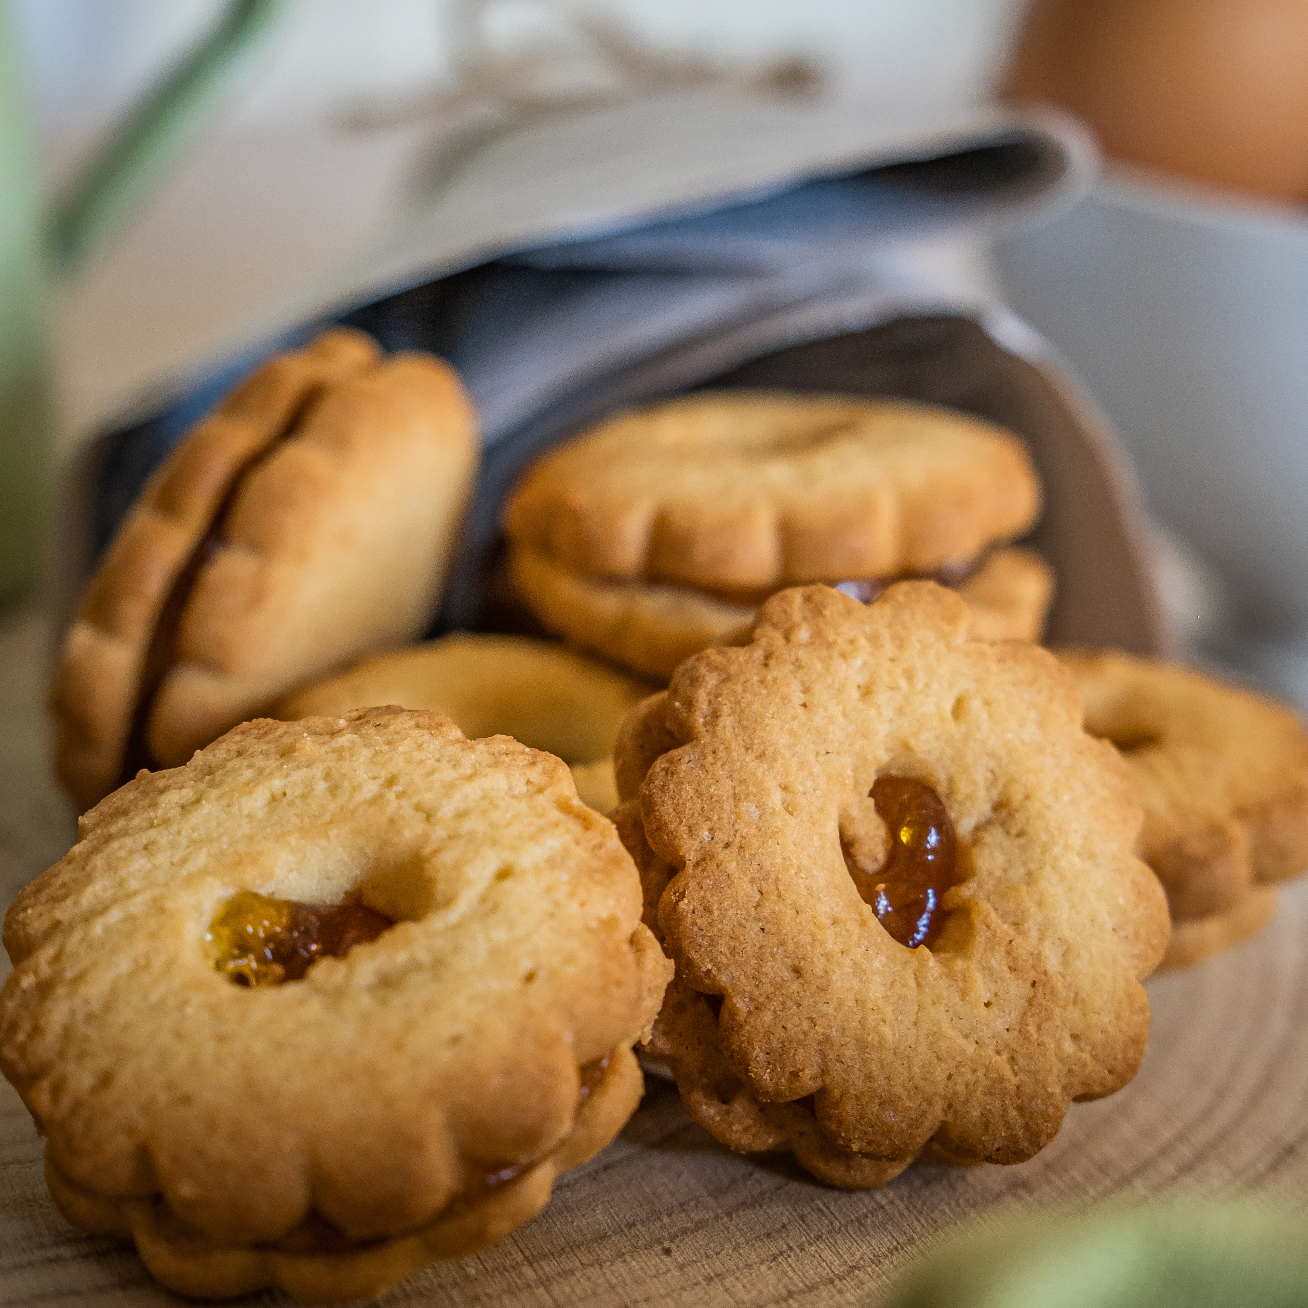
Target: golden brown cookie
536, 691
652, 627
898, 883
1222, 772
758, 490
338, 997
1199, 938
660, 532
309, 518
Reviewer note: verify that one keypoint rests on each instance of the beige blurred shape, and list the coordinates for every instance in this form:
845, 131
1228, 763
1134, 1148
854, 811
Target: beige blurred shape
538, 692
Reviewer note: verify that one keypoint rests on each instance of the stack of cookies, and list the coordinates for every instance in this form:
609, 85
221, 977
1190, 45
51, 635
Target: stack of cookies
335, 999
311, 517
1223, 774
660, 532
871, 893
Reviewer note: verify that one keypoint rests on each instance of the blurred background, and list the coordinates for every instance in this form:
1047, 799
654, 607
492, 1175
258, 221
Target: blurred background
322, 142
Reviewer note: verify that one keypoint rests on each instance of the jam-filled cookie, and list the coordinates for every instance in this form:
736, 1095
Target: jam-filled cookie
308, 519
337, 998
1222, 772
662, 530
536, 691
651, 628
898, 882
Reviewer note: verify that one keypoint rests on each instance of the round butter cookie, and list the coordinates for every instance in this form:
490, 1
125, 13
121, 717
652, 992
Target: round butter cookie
650, 628
337, 998
759, 490
1222, 773
660, 532
536, 691
898, 882
310, 518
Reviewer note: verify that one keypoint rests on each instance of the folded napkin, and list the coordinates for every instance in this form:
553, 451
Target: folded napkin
623, 255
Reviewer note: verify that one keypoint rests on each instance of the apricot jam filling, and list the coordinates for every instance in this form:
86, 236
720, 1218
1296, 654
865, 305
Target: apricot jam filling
256, 940
921, 863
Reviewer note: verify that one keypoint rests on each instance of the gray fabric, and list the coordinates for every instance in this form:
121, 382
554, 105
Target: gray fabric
652, 298
631, 168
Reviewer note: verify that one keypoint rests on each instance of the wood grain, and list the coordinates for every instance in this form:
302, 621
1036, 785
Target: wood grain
665, 1216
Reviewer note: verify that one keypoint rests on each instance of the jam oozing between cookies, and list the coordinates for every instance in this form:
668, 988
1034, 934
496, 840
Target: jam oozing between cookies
866, 590
590, 1077
258, 941
921, 863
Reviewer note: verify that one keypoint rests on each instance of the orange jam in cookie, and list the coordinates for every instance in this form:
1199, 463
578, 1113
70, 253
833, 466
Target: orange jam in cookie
257, 940
590, 1077
921, 863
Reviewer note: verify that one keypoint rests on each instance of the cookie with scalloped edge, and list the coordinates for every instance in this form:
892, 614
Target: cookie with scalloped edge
760, 490
652, 627
1222, 773
409, 1093
308, 519
1196, 939
753, 808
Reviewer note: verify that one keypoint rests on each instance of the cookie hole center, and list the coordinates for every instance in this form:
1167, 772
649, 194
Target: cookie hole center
922, 860
258, 941
1132, 740
790, 439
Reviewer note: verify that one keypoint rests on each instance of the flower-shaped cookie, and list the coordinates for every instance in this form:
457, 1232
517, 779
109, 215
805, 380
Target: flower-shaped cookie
898, 882
1223, 775
472, 973
660, 531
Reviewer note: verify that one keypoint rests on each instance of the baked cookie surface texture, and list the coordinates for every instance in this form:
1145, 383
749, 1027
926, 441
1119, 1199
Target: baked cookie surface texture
309, 518
1223, 775
855, 780
536, 691
662, 530
337, 998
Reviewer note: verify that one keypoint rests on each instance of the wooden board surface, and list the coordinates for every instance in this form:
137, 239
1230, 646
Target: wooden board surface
665, 1216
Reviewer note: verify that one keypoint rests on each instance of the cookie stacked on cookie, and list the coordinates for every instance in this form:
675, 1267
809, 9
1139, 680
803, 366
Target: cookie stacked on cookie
337, 998
661, 531
311, 517
898, 882
345, 994
1223, 774
536, 691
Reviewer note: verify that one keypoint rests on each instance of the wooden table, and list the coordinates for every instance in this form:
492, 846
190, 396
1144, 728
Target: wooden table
665, 1216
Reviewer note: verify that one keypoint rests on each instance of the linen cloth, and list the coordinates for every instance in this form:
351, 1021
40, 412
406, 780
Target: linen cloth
648, 249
